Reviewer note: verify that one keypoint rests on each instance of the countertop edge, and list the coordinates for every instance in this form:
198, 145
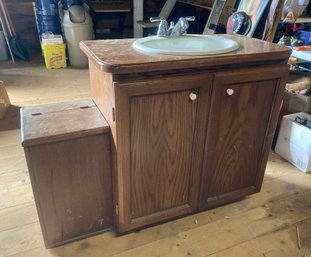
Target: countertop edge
193, 62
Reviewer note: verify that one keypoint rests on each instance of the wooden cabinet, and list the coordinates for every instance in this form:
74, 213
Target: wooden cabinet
240, 131
188, 132
160, 126
67, 148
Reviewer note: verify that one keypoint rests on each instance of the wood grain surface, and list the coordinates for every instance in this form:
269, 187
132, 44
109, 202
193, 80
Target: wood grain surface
120, 57
159, 148
238, 131
54, 122
162, 132
67, 148
71, 182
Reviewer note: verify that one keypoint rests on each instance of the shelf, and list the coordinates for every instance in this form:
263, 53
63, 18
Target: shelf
194, 4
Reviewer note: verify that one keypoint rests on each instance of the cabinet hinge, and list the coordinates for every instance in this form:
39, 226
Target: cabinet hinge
117, 210
113, 114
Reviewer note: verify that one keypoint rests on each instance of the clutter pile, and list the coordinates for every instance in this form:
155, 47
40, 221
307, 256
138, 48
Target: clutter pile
294, 135
68, 18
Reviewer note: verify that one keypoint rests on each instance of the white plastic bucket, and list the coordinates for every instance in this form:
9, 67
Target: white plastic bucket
77, 26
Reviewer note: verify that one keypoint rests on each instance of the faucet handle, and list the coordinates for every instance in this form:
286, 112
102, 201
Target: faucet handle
155, 19
163, 26
190, 18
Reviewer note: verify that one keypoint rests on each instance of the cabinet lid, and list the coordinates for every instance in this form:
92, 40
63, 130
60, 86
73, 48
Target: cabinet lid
61, 121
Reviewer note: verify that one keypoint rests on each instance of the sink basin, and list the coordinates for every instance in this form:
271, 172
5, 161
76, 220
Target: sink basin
191, 44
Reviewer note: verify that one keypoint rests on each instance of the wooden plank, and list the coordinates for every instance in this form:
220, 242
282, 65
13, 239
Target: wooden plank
10, 180
167, 8
9, 138
138, 15
195, 234
279, 243
18, 216
13, 164
24, 21
20, 239
15, 196
225, 233
276, 18
10, 151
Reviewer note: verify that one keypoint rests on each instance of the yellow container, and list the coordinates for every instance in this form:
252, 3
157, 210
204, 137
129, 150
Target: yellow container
54, 56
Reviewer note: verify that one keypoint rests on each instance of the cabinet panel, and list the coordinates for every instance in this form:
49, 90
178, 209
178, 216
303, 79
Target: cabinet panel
162, 132
160, 173
238, 128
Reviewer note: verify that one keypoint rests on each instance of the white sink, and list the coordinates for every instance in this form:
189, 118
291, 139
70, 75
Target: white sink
191, 44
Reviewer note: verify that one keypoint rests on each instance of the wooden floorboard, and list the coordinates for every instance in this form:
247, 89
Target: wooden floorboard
260, 225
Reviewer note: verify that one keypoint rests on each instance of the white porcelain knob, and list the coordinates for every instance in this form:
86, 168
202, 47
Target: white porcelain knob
193, 96
230, 91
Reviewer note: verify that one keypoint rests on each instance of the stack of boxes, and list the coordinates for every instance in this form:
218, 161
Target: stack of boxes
294, 138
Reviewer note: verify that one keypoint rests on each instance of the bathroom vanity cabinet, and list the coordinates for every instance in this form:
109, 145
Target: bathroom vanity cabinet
188, 132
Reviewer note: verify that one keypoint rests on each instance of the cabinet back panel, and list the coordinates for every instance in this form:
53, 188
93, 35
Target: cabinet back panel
162, 133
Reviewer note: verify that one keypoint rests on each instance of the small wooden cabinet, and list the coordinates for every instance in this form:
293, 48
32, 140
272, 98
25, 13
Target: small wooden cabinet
67, 148
188, 132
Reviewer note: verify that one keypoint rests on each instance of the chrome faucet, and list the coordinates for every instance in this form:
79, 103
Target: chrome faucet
172, 30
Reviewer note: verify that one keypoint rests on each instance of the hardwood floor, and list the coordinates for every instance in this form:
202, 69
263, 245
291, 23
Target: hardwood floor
261, 225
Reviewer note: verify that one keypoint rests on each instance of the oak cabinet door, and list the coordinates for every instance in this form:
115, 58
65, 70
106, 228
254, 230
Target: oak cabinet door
159, 156
243, 115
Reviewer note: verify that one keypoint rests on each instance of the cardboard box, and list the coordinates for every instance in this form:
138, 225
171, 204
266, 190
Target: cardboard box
217, 21
294, 141
293, 103
4, 100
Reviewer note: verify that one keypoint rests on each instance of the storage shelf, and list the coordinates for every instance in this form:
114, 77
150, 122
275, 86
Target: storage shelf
194, 4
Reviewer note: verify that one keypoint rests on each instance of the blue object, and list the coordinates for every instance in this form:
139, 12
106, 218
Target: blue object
49, 23
47, 7
49, 29
48, 16
304, 36
67, 3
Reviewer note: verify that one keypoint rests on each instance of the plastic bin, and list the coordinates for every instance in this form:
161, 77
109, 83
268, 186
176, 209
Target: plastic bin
49, 24
48, 16
47, 7
77, 26
54, 56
